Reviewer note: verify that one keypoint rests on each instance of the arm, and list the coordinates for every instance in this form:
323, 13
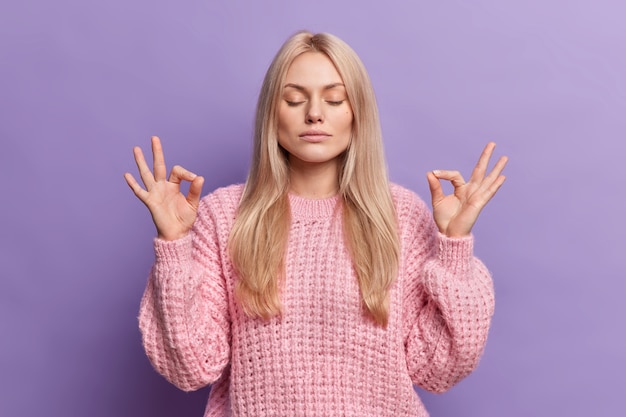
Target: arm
449, 308
453, 297
183, 316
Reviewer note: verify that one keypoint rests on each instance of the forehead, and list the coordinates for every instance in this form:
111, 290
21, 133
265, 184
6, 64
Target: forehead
312, 70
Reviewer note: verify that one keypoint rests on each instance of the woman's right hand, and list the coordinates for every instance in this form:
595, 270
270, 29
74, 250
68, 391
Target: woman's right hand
172, 212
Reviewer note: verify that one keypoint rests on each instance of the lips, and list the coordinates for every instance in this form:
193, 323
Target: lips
314, 136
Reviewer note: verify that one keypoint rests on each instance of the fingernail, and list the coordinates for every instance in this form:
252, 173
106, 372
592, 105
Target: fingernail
436, 172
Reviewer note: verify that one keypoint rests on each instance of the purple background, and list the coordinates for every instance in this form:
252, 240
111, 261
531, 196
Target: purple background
82, 82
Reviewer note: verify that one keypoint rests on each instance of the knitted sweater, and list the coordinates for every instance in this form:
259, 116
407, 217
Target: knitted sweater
323, 356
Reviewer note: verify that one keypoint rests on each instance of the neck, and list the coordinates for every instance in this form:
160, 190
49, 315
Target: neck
314, 180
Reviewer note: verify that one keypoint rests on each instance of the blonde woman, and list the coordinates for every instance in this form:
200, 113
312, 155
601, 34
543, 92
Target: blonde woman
317, 288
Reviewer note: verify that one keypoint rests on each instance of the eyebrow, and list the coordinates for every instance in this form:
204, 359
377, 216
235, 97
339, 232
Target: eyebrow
301, 88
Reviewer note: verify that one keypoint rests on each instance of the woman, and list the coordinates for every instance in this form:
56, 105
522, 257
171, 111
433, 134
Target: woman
317, 288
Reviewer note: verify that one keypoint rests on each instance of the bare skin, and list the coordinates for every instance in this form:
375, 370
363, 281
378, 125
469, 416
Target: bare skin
314, 124
173, 213
455, 214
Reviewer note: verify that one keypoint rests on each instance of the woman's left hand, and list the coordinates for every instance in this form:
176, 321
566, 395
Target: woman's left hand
455, 214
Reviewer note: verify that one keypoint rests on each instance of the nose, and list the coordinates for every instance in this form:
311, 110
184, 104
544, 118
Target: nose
314, 112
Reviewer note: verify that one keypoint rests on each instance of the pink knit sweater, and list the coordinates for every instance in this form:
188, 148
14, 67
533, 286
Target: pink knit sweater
323, 356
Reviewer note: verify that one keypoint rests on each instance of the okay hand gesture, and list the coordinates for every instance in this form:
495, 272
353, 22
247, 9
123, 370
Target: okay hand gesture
455, 214
172, 212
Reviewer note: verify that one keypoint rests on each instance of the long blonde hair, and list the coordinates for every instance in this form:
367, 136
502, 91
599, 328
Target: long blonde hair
259, 236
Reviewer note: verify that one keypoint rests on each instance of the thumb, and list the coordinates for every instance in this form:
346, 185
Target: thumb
436, 191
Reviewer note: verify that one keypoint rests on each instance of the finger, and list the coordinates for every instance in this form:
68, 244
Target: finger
482, 197
160, 171
481, 167
180, 174
142, 166
454, 177
195, 190
495, 186
436, 191
497, 169
134, 185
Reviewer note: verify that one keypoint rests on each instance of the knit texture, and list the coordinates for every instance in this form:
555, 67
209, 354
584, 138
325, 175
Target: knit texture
323, 356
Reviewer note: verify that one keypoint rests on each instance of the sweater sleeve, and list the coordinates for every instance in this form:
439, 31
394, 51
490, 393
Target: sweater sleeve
448, 305
183, 317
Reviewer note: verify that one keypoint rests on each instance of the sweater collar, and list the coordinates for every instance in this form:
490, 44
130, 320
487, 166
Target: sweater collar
310, 208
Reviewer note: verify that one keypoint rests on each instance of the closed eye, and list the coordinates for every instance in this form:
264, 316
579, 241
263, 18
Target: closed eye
293, 103
335, 103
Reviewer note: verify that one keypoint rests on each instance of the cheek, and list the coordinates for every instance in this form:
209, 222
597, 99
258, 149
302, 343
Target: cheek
282, 117
287, 118
348, 119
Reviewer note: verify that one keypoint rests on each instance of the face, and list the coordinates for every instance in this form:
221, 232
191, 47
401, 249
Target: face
314, 115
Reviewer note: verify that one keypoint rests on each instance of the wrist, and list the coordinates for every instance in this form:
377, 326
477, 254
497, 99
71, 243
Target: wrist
457, 234
171, 236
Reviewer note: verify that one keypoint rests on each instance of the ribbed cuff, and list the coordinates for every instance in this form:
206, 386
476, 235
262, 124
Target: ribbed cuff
456, 253
173, 251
